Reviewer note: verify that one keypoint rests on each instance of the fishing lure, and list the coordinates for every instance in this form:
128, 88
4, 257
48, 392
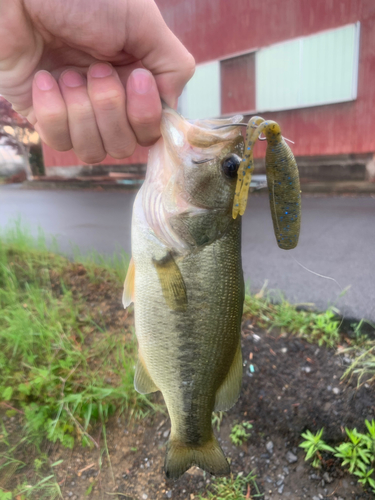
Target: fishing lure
282, 179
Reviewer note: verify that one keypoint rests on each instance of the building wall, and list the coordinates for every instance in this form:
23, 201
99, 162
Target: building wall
214, 29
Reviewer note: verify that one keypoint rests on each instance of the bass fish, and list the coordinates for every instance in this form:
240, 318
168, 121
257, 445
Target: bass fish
185, 279
186, 282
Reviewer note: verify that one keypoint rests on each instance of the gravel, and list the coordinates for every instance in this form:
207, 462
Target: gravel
269, 447
291, 457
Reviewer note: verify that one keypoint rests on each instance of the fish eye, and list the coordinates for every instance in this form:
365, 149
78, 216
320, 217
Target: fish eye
230, 166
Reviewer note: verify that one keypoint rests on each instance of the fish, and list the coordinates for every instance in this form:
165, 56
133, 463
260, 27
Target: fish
185, 279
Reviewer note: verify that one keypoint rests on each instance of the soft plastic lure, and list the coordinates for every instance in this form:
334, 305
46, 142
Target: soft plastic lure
282, 179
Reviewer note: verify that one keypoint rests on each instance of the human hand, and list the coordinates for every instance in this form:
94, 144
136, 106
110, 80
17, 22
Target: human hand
51, 71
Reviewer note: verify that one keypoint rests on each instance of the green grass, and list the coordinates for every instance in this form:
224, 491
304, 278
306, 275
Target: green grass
61, 369
363, 366
317, 327
322, 328
233, 488
64, 370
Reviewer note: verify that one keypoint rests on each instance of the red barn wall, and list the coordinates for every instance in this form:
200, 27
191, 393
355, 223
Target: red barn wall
215, 29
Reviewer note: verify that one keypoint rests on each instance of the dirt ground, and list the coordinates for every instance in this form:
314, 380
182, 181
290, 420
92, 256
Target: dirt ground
292, 386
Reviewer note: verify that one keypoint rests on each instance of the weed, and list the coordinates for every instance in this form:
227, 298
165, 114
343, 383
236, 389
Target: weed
313, 445
233, 488
217, 419
5, 495
355, 452
238, 434
363, 365
62, 371
320, 327
365, 477
358, 453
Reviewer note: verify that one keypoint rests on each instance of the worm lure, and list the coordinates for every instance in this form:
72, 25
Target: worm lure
282, 179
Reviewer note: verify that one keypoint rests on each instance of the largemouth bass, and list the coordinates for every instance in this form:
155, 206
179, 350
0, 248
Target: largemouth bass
185, 279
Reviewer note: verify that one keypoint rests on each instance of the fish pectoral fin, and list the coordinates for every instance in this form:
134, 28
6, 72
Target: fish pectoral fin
172, 282
143, 382
128, 293
230, 389
181, 456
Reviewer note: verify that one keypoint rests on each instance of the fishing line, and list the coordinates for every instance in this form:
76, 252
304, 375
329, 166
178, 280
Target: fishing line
317, 274
342, 290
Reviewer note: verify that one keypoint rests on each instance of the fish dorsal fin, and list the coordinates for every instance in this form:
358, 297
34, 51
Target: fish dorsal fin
128, 293
143, 383
172, 282
230, 389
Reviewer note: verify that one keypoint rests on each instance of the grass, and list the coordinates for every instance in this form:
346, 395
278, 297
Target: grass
62, 371
317, 327
363, 365
233, 488
322, 328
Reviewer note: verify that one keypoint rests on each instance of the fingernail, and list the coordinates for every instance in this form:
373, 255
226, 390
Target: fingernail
44, 81
72, 79
141, 81
100, 70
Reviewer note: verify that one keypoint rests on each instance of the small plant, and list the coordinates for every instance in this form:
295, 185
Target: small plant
355, 452
217, 419
238, 434
363, 365
5, 495
370, 437
358, 453
233, 488
365, 477
320, 327
313, 445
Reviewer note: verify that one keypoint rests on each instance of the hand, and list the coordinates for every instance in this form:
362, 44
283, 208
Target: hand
89, 74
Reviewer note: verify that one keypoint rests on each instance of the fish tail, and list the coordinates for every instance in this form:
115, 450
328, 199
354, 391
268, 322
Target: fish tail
209, 457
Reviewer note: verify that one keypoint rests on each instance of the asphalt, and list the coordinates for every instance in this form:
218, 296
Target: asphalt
333, 265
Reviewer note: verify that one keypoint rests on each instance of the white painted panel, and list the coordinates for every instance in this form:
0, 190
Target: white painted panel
327, 66
309, 71
277, 76
201, 96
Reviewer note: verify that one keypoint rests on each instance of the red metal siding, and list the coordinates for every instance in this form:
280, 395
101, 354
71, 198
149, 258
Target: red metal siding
238, 84
215, 29
212, 29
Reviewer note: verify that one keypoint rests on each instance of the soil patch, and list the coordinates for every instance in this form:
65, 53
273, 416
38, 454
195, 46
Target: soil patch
289, 386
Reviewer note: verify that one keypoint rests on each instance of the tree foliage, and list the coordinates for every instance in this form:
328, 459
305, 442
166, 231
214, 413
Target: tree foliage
15, 131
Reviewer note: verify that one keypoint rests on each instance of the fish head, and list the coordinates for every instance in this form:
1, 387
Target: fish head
191, 179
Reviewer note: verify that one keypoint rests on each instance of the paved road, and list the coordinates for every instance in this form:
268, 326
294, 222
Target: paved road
337, 240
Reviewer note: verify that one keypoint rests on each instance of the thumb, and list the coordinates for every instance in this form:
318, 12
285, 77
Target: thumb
161, 52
